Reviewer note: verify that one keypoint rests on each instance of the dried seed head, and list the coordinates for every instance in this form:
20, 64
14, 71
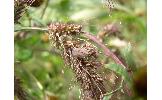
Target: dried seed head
109, 3
81, 56
37, 3
90, 82
110, 29
85, 51
61, 32
65, 29
83, 61
20, 7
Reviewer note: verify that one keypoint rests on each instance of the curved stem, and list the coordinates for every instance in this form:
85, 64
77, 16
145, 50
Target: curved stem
105, 49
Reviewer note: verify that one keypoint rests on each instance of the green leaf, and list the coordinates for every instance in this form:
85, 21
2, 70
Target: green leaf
22, 54
119, 70
107, 97
127, 54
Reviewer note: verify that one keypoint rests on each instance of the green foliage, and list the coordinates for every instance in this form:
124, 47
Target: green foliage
107, 97
119, 70
22, 54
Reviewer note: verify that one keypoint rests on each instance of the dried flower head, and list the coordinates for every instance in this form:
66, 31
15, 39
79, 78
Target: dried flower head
20, 7
85, 68
81, 56
60, 32
84, 51
37, 3
111, 29
109, 3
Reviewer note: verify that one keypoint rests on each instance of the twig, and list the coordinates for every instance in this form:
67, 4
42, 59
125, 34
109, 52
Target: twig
119, 88
31, 28
105, 49
46, 5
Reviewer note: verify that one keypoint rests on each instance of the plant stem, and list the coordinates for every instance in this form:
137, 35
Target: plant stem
46, 5
31, 28
119, 88
105, 49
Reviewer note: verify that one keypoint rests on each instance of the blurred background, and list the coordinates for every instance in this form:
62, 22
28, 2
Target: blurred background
120, 24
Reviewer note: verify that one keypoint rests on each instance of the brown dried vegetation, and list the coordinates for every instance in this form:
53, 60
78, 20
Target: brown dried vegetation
81, 57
